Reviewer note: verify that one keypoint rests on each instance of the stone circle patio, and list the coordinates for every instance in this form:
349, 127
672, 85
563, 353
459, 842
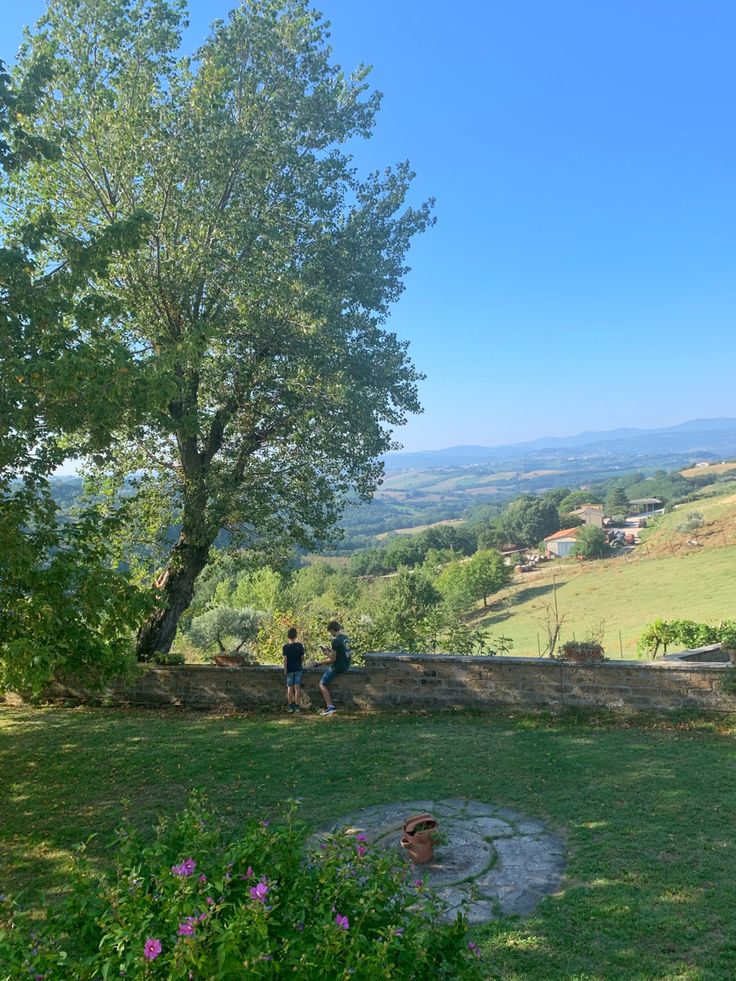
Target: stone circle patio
496, 862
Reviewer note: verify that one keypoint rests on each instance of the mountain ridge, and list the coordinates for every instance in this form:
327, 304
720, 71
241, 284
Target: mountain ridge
694, 435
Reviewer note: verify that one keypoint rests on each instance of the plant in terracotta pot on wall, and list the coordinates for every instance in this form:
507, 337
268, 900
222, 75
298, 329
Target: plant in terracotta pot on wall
220, 627
582, 651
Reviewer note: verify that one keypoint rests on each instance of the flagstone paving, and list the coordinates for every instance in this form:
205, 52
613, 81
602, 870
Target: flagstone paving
495, 862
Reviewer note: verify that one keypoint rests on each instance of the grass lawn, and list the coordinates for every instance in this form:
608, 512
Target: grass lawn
625, 595
648, 811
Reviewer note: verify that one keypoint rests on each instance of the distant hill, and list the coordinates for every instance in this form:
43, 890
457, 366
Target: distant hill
706, 438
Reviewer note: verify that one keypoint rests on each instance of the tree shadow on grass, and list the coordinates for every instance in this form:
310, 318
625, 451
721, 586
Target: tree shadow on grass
648, 813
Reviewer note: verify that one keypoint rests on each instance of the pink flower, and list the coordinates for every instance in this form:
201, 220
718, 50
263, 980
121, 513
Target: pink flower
249, 872
474, 948
210, 901
343, 922
362, 850
361, 837
152, 948
186, 868
259, 892
185, 930
419, 883
399, 932
203, 878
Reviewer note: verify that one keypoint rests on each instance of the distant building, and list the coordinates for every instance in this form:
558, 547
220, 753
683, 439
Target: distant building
590, 514
560, 544
703, 463
646, 504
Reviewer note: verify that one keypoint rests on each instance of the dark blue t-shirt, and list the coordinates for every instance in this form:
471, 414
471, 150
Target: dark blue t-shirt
341, 647
294, 654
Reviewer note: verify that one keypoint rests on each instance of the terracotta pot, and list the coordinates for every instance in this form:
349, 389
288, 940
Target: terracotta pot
417, 837
229, 660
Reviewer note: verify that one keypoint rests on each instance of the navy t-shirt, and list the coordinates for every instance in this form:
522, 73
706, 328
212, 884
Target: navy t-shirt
341, 647
293, 654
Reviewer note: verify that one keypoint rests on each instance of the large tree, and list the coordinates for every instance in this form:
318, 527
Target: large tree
260, 384
529, 519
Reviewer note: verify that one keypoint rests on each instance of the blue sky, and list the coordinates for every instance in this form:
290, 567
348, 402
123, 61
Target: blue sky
582, 272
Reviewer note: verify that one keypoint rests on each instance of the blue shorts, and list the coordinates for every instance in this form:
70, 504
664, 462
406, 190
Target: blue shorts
329, 674
293, 678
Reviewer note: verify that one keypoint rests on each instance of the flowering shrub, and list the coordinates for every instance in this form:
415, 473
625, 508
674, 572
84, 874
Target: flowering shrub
196, 905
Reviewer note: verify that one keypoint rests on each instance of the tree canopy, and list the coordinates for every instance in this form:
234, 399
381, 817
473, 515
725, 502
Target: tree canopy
255, 382
528, 519
62, 608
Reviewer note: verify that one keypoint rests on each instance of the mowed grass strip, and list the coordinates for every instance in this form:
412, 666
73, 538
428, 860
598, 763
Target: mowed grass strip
622, 595
648, 811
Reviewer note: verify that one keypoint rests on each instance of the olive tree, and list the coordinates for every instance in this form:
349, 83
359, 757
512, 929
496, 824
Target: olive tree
257, 381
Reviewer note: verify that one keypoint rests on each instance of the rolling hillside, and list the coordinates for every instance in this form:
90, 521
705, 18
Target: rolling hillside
665, 577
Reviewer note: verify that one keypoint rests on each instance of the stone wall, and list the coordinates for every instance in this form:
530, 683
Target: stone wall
441, 681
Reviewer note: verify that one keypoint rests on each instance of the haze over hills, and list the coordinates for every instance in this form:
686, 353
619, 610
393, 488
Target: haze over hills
709, 438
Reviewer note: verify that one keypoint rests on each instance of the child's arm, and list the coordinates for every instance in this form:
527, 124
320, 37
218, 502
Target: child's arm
330, 660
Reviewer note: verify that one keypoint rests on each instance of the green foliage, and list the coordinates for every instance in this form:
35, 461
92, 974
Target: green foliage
63, 611
688, 633
463, 583
728, 682
576, 499
591, 543
666, 486
694, 521
727, 635
658, 634
403, 620
412, 550
487, 573
242, 340
198, 903
617, 500
220, 623
527, 520
581, 651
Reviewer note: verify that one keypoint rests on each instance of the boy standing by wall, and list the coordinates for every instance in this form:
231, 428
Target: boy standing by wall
293, 666
338, 663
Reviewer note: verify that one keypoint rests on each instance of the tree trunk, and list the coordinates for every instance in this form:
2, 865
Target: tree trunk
176, 583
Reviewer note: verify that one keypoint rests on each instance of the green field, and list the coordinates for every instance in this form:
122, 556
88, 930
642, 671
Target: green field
648, 812
625, 595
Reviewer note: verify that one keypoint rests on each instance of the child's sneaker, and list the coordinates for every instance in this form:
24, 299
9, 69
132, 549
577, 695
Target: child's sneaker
289, 707
295, 708
329, 710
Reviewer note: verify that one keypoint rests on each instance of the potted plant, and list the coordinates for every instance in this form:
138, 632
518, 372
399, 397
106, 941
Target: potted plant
417, 837
222, 623
582, 651
727, 637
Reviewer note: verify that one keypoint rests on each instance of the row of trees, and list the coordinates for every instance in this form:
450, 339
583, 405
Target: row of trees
421, 609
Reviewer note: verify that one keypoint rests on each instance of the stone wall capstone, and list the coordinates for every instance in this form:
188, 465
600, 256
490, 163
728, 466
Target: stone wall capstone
389, 681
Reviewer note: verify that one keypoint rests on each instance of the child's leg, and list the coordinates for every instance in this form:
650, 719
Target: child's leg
295, 694
290, 694
325, 694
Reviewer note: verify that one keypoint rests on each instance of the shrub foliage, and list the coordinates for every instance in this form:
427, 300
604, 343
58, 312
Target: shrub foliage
198, 904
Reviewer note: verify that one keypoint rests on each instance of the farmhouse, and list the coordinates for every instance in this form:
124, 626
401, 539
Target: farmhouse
560, 544
590, 514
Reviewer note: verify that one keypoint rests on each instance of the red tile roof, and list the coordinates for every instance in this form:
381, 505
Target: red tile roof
565, 533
